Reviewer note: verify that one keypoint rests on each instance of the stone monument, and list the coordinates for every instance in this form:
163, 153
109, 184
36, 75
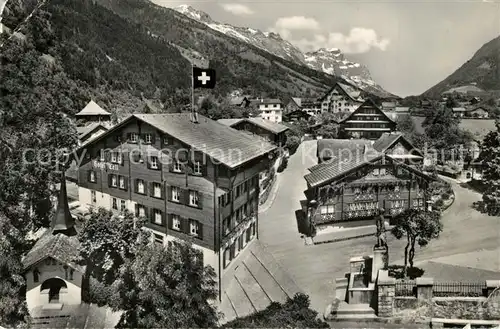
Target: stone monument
380, 250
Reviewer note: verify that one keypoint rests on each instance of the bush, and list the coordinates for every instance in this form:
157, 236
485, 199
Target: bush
294, 313
292, 143
283, 165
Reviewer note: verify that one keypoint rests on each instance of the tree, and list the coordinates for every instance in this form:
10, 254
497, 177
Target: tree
405, 124
490, 156
292, 143
167, 289
329, 130
419, 226
13, 308
107, 241
451, 102
294, 313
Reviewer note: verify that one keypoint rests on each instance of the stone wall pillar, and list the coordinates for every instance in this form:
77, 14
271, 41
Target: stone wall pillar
386, 289
380, 261
424, 289
491, 285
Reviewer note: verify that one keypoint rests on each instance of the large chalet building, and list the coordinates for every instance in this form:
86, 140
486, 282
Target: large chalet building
354, 180
341, 98
367, 121
191, 177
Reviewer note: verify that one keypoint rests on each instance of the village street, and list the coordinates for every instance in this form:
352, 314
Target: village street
469, 238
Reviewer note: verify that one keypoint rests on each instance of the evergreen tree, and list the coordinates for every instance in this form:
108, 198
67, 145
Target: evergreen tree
490, 156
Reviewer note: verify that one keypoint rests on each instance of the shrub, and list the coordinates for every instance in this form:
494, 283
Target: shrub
283, 165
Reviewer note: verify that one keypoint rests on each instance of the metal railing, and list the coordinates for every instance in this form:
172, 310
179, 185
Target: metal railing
406, 288
459, 289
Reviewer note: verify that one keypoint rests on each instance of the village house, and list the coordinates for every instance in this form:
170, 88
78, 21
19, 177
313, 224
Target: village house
360, 179
242, 102
368, 121
478, 112
270, 109
341, 98
193, 178
310, 106
459, 111
388, 106
90, 131
296, 115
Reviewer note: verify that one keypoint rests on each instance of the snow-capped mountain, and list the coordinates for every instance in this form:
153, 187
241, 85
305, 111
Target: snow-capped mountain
330, 61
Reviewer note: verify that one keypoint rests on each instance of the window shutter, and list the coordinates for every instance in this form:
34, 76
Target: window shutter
203, 169
169, 221
129, 136
163, 219
153, 139
136, 210
88, 175
200, 200
184, 224
185, 196
200, 230
151, 189
159, 161
109, 180
125, 181
152, 218
136, 189
123, 156
149, 162
169, 191
145, 187
162, 189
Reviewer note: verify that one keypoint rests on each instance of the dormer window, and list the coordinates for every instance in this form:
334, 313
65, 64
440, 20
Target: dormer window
133, 137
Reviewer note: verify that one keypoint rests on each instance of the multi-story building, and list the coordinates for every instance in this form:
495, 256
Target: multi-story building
354, 182
341, 98
191, 177
368, 121
270, 109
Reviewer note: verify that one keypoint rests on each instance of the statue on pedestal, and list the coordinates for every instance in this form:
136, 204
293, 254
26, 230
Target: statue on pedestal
381, 237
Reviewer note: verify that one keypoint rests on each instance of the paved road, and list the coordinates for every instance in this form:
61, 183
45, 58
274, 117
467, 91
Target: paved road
314, 268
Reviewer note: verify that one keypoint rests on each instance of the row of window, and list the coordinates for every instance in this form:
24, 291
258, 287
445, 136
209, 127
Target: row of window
239, 244
148, 138
362, 206
189, 197
231, 222
330, 209
175, 222
153, 162
369, 125
226, 199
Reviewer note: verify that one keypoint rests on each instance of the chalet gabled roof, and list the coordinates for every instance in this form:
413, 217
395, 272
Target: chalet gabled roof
347, 90
230, 122
207, 136
270, 126
92, 109
387, 140
60, 247
340, 148
334, 169
87, 130
371, 103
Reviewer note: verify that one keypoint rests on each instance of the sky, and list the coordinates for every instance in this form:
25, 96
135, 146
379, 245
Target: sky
408, 46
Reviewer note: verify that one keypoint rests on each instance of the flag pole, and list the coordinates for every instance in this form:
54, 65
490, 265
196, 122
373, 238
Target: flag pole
192, 88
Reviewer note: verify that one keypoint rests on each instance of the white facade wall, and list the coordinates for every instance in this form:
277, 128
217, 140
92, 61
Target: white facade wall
271, 112
70, 296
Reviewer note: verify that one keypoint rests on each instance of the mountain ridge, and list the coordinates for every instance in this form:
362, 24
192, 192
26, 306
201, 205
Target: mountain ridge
482, 70
330, 61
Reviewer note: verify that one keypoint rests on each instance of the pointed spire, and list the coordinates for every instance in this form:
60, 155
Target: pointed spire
63, 222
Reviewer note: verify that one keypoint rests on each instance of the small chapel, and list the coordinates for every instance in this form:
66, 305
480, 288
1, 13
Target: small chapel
54, 279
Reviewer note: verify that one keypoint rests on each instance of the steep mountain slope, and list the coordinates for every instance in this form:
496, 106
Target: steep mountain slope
482, 71
330, 61
239, 64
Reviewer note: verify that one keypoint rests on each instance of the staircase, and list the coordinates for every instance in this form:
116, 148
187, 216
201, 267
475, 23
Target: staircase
340, 310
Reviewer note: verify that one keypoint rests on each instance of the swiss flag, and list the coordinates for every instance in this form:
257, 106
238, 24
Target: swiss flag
203, 78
